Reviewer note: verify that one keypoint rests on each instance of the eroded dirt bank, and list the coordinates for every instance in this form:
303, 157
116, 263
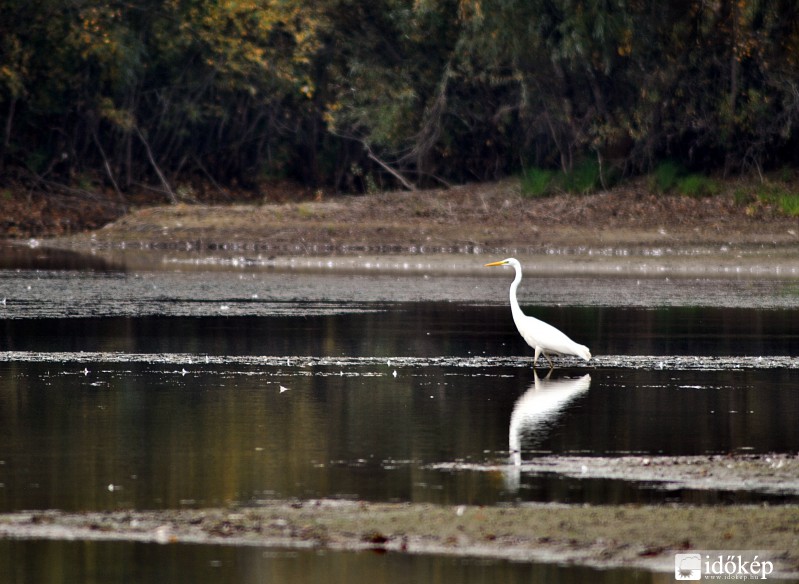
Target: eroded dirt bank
488, 217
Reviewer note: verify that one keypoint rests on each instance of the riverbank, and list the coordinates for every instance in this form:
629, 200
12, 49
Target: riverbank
489, 217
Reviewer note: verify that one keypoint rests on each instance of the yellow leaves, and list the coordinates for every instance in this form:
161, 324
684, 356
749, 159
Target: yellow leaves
625, 47
121, 118
329, 116
268, 39
14, 69
96, 35
12, 80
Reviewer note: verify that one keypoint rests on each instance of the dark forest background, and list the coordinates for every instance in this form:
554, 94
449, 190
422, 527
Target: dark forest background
354, 96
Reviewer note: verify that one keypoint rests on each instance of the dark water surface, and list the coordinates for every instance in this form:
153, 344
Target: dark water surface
21, 562
95, 435
167, 389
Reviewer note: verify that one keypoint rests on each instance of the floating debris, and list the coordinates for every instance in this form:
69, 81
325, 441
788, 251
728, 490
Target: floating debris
642, 362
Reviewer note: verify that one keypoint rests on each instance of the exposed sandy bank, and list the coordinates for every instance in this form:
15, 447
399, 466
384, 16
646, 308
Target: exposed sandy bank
604, 536
485, 216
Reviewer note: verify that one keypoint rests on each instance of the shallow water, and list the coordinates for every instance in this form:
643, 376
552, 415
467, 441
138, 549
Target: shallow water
168, 389
90, 434
162, 388
117, 563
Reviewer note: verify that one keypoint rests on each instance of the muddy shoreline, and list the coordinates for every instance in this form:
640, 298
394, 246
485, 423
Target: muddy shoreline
602, 536
484, 218
757, 473
644, 537
623, 232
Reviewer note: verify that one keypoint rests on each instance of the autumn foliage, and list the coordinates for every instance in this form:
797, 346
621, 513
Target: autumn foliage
352, 96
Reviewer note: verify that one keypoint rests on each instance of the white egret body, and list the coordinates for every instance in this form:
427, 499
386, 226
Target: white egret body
542, 337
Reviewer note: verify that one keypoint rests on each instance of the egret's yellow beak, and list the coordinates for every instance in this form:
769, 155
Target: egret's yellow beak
499, 263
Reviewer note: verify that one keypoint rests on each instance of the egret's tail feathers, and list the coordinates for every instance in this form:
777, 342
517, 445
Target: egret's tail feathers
583, 352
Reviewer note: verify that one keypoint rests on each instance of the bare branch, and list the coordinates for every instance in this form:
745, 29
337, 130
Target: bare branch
172, 197
107, 166
405, 182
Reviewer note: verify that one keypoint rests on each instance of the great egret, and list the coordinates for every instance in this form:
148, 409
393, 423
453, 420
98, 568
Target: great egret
542, 337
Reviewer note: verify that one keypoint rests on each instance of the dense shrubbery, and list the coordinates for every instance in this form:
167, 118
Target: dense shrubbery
363, 95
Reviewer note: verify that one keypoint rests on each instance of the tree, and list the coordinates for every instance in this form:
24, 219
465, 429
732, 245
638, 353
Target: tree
365, 95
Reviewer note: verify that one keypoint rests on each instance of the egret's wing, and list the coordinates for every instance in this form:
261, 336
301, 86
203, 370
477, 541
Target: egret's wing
538, 333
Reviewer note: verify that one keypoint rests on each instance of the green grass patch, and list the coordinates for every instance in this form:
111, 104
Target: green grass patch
666, 176
787, 201
789, 204
697, 185
743, 197
670, 176
586, 177
537, 182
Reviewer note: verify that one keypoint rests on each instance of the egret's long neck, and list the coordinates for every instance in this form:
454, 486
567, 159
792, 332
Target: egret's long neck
514, 303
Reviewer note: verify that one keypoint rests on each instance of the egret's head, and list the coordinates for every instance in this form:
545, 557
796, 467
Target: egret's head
505, 262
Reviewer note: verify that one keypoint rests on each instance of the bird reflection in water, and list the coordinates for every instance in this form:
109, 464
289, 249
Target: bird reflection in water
534, 413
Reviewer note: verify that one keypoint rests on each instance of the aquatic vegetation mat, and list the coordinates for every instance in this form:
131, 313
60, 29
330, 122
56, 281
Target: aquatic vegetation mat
684, 362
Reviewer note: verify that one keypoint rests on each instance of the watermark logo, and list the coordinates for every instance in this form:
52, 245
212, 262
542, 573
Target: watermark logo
688, 567
721, 565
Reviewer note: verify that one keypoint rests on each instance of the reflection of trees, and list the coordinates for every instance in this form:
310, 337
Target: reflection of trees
17, 257
683, 412
417, 329
167, 439
224, 433
685, 330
